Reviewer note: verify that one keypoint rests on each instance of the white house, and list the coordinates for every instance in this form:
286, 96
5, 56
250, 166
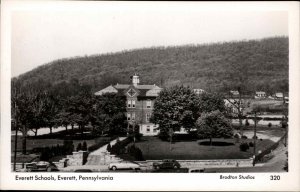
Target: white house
260, 94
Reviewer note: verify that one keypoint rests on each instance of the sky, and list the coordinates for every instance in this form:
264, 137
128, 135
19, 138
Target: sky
41, 36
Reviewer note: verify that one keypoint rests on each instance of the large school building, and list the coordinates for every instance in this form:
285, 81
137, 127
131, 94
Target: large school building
140, 102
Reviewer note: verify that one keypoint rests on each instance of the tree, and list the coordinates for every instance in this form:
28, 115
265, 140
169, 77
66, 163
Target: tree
79, 108
44, 109
238, 105
109, 113
174, 108
22, 113
62, 119
213, 125
211, 102
179, 106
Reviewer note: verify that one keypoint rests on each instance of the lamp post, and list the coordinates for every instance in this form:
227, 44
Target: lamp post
254, 139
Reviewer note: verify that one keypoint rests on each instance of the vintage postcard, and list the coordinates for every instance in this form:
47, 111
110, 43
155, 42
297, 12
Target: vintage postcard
109, 95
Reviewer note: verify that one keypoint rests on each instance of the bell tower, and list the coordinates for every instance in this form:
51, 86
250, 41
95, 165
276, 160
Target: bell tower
135, 80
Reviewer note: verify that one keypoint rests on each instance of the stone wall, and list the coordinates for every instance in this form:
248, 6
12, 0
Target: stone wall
78, 158
208, 163
104, 158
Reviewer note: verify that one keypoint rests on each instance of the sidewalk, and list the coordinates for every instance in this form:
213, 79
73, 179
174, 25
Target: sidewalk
103, 148
93, 161
94, 168
95, 157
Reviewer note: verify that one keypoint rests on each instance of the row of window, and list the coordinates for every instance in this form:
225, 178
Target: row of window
131, 104
148, 129
131, 116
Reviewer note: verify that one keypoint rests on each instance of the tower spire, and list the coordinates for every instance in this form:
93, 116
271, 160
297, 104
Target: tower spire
135, 79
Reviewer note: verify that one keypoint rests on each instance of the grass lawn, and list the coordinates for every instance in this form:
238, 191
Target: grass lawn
33, 143
155, 149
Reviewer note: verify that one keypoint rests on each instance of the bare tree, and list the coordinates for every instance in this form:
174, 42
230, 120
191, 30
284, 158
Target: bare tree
237, 104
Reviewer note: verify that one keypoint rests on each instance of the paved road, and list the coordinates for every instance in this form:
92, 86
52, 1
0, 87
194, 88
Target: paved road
276, 164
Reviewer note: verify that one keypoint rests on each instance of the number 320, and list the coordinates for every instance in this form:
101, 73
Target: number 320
274, 177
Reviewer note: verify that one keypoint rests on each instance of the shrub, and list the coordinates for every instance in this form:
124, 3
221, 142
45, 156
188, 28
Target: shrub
163, 136
108, 148
116, 149
138, 155
236, 136
84, 146
283, 124
247, 123
79, 147
138, 136
254, 137
270, 124
251, 144
135, 152
119, 147
244, 147
68, 147
244, 137
45, 154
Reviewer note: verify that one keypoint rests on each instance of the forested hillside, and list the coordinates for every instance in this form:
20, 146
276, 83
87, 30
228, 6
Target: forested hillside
253, 65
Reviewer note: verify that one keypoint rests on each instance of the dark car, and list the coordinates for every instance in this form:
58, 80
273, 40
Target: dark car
196, 170
83, 170
167, 164
40, 166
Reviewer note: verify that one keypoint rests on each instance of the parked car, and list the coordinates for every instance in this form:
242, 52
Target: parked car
83, 170
167, 164
196, 170
40, 166
124, 165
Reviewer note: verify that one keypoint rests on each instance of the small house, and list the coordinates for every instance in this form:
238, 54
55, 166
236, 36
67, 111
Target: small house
260, 94
198, 91
278, 95
234, 93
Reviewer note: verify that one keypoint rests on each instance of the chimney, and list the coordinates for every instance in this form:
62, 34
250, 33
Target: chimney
135, 80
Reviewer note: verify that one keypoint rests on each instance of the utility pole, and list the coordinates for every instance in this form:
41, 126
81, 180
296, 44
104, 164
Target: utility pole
16, 138
254, 139
16, 129
285, 105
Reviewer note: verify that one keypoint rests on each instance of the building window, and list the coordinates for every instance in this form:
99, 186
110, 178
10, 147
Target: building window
148, 115
148, 104
148, 129
155, 128
129, 103
128, 116
133, 116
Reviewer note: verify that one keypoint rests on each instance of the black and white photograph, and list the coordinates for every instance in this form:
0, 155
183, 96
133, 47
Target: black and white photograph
97, 92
